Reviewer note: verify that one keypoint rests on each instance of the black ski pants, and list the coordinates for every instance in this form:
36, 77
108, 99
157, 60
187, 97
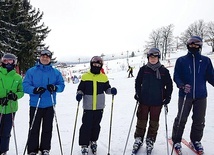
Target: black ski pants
198, 107
43, 116
90, 128
5, 130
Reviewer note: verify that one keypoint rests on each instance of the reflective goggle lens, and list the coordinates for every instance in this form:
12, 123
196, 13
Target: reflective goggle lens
194, 41
46, 52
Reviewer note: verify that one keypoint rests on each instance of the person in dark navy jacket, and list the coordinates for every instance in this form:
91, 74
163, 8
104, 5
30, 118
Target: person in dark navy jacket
42, 82
191, 73
153, 87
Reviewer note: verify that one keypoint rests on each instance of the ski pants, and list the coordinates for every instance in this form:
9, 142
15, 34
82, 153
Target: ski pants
90, 128
144, 113
43, 116
198, 107
5, 130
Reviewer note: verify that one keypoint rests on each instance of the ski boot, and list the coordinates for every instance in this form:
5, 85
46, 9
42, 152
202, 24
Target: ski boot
198, 147
84, 150
93, 146
137, 144
32, 153
149, 145
177, 148
45, 152
4, 153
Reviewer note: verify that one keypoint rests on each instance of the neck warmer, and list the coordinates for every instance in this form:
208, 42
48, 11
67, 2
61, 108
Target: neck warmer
155, 67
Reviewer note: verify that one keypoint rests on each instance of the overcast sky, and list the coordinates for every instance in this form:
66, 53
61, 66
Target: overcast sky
92, 27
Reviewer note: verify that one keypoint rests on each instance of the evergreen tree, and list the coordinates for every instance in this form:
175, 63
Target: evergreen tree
21, 31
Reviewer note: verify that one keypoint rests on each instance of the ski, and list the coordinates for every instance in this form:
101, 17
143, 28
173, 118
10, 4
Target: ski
189, 145
178, 152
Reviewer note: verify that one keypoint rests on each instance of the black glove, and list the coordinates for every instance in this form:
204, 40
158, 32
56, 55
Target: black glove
39, 90
3, 101
166, 101
113, 91
12, 96
51, 88
187, 88
79, 97
136, 97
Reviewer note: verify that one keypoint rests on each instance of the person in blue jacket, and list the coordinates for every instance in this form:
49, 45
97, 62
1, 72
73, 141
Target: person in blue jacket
42, 82
191, 73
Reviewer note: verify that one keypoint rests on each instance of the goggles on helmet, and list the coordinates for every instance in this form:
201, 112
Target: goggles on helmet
153, 52
46, 52
97, 59
8, 61
195, 41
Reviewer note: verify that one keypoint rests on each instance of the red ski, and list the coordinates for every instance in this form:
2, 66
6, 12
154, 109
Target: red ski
178, 152
189, 145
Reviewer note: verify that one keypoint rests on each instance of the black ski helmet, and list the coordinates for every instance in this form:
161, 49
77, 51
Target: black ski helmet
153, 52
195, 40
96, 59
9, 56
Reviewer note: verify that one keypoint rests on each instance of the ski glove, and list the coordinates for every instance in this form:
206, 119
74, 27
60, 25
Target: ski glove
136, 97
51, 88
187, 88
12, 96
79, 97
113, 91
39, 90
3, 101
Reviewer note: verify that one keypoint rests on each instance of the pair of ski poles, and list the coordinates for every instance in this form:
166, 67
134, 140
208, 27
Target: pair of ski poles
33, 120
109, 144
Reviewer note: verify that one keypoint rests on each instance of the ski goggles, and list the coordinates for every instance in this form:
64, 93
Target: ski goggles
195, 41
97, 59
8, 61
46, 52
153, 52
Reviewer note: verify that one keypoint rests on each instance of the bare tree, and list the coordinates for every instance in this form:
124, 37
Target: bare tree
210, 35
167, 39
198, 28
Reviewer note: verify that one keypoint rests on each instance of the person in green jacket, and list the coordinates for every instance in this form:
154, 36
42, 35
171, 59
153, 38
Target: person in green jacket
10, 91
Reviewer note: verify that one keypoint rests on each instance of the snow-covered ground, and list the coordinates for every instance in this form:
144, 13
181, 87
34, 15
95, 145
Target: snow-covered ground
123, 110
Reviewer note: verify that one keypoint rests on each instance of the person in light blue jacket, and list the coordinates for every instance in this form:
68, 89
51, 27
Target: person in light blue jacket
42, 82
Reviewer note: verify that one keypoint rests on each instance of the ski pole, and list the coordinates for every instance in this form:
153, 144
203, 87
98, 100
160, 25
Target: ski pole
2, 112
130, 127
32, 123
179, 121
166, 111
14, 133
72, 143
110, 125
57, 126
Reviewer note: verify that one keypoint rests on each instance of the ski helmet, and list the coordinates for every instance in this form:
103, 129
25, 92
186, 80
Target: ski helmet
46, 52
96, 59
96, 64
9, 58
153, 52
195, 40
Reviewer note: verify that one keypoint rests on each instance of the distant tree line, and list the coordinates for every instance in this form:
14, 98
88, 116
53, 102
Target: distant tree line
21, 31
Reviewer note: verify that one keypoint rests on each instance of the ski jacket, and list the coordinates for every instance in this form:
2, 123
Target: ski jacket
153, 91
93, 87
195, 70
10, 81
40, 76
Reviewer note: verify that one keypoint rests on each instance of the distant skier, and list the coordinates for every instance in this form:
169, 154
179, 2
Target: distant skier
130, 70
153, 87
92, 87
191, 73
